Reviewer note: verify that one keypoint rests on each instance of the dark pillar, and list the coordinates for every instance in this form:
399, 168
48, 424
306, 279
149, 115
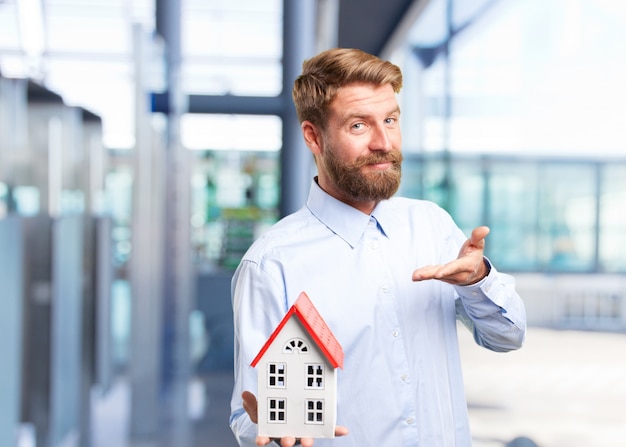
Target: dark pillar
176, 266
296, 159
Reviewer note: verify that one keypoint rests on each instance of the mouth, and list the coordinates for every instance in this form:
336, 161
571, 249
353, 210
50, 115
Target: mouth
380, 165
381, 161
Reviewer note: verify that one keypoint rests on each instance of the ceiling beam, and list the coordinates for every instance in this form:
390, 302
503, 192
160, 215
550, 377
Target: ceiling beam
370, 24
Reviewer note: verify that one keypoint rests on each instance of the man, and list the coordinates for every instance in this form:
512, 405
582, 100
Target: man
354, 249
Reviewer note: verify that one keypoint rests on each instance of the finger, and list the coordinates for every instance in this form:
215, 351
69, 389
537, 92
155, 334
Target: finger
307, 442
449, 270
262, 440
341, 430
287, 441
426, 272
478, 235
462, 271
250, 405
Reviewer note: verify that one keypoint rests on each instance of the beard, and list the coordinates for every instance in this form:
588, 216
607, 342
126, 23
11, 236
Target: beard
363, 186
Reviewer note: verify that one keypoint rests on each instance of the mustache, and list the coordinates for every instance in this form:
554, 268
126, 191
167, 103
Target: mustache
395, 157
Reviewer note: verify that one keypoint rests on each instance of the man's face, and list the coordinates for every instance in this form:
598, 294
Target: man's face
361, 157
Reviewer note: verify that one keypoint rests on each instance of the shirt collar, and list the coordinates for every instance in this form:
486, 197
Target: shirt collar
383, 213
342, 219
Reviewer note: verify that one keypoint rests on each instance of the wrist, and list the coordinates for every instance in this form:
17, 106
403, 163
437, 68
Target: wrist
487, 265
484, 272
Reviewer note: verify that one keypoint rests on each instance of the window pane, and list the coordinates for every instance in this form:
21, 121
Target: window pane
512, 211
466, 183
567, 216
613, 219
231, 132
232, 47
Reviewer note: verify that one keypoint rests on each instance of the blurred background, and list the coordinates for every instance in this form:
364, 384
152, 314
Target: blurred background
145, 144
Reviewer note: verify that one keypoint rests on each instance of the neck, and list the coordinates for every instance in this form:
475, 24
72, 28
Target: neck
364, 206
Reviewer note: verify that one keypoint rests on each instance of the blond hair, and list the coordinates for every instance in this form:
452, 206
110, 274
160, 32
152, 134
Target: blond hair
325, 74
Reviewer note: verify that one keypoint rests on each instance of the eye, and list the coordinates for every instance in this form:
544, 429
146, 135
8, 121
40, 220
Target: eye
390, 120
358, 126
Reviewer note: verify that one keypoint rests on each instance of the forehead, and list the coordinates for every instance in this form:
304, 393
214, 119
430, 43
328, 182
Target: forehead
364, 99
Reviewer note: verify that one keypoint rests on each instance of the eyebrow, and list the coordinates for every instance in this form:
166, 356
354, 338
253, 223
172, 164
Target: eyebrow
362, 116
395, 110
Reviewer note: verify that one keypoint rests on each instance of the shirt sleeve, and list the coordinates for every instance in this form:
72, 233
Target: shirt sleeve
256, 311
493, 311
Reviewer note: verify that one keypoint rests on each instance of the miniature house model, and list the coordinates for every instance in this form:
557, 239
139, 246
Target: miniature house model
297, 376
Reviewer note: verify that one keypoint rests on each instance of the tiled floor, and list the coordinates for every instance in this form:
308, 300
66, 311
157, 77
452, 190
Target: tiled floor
562, 389
209, 406
212, 429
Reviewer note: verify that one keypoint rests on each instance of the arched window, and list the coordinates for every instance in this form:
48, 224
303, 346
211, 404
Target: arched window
296, 345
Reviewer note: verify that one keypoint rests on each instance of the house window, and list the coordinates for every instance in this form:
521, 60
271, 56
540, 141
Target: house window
315, 375
276, 373
314, 411
277, 411
295, 345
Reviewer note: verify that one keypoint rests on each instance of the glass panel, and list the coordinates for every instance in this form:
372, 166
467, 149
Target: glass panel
26, 200
235, 77
542, 215
234, 199
466, 201
512, 215
567, 217
514, 78
434, 126
412, 177
435, 180
516, 74
232, 48
231, 132
613, 219
4, 200
12, 278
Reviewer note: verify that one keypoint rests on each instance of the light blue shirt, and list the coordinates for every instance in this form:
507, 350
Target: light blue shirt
402, 383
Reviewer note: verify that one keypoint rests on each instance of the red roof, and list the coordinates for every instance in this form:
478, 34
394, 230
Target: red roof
315, 326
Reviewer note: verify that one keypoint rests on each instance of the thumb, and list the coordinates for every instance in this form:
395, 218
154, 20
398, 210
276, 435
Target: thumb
250, 405
478, 236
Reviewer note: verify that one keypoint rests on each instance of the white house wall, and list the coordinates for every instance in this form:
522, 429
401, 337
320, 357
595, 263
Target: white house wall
295, 388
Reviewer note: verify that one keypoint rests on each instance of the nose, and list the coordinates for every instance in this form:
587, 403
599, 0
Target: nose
380, 140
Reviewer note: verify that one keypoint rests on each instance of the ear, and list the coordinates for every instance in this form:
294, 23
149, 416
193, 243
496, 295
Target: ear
312, 137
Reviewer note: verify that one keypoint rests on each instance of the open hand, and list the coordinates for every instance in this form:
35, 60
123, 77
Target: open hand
468, 268
250, 405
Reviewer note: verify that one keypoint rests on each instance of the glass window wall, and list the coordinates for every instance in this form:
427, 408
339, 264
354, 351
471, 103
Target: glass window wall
544, 215
512, 204
513, 115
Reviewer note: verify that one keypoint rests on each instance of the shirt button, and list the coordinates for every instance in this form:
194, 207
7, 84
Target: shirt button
395, 333
474, 293
410, 421
403, 377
